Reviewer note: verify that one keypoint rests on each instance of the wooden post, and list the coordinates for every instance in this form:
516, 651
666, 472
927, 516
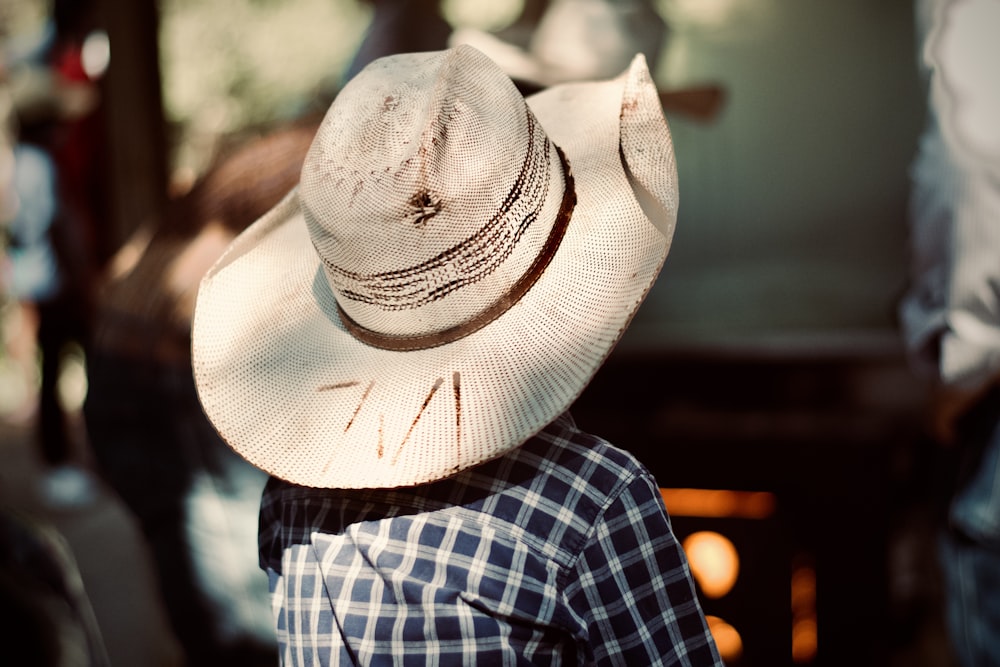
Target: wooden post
137, 151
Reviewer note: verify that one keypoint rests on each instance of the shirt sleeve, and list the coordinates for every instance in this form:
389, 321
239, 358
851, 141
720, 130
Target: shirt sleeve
950, 317
633, 588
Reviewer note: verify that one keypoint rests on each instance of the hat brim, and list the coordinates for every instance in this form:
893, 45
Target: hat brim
308, 403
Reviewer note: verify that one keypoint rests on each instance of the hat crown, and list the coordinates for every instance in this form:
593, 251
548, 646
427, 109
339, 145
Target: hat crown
422, 190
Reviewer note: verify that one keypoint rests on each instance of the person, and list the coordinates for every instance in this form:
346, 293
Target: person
195, 500
398, 342
48, 264
950, 317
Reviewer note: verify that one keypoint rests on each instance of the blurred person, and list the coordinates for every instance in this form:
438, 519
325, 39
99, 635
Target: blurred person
951, 315
195, 500
79, 144
49, 271
397, 344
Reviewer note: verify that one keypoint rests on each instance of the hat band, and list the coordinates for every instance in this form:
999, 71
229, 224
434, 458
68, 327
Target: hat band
500, 306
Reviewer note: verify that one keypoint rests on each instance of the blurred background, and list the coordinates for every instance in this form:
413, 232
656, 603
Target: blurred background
763, 381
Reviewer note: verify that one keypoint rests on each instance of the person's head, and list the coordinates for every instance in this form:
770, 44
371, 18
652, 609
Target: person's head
453, 268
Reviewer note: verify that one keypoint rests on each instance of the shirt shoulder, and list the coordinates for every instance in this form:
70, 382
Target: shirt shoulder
548, 494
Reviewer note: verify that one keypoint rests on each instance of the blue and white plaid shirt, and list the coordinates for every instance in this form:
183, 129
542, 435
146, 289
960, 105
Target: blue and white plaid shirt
558, 553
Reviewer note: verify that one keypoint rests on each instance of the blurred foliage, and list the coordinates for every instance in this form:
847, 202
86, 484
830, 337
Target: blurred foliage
481, 14
19, 17
232, 63
22, 24
231, 66
228, 65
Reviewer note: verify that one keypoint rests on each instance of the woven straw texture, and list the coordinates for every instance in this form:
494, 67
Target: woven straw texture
430, 167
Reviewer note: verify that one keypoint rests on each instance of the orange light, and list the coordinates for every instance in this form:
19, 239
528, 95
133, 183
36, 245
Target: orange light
719, 503
805, 634
714, 562
804, 641
726, 637
803, 589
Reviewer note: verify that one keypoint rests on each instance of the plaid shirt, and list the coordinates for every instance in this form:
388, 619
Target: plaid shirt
558, 553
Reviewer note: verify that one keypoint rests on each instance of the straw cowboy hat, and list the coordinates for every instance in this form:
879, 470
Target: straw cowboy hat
571, 40
452, 269
556, 41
